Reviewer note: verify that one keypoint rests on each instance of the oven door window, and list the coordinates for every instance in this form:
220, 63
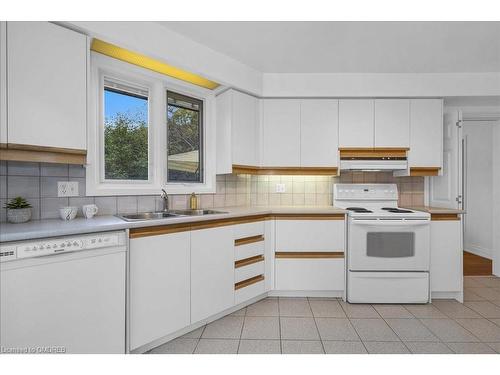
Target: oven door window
390, 244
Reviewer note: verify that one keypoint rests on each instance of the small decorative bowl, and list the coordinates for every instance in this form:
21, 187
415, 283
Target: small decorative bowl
68, 213
18, 215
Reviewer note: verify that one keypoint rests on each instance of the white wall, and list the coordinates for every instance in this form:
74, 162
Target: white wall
478, 237
496, 199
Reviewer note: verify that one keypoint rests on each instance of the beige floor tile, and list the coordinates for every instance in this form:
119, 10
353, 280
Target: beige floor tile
393, 311
217, 346
259, 347
485, 308
298, 329
297, 307
373, 330
196, 334
489, 281
177, 346
336, 329
359, 311
425, 312
488, 293
228, 327
472, 282
483, 329
448, 330
455, 309
495, 346
470, 295
374, 347
470, 348
240, 312
496, 321
262, 327
266, 307
326, 308
428, 348
411, 330
302, 347
344, 347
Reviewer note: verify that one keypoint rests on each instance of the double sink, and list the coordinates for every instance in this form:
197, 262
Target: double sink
168, 214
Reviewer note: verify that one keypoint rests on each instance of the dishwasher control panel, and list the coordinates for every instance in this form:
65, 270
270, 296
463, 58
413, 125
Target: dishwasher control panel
52, 246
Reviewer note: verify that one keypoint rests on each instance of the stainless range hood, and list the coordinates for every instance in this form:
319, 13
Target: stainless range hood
373, 159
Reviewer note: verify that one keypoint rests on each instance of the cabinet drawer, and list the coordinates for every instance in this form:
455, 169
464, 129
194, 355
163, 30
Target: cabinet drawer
249, 229
249, 250
250, 291
310, 274
309, 235
249, 271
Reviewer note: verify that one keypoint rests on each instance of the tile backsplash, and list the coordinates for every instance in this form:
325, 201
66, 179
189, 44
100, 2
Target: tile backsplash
37, 182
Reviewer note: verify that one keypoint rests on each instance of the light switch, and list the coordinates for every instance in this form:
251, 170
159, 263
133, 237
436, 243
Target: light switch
280, 188
67, 188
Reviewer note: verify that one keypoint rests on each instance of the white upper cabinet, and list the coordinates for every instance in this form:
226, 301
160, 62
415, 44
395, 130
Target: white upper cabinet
47, 85
237, 130
319, 133
392, 123
426, 133
356, 123
212, 271
281, 133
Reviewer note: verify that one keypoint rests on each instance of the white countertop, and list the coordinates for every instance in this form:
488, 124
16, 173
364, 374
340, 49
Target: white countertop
56, 227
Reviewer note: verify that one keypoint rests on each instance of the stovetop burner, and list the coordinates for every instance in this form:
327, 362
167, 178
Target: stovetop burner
359, 210
398, 210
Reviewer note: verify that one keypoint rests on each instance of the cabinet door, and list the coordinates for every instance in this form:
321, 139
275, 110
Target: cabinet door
212, 271
392, 123
281, 133
356, 123
47, 90
446, 256
245, 129
159, 286
426, 133
319, 133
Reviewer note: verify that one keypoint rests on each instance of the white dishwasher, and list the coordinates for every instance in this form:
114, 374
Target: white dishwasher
64, 294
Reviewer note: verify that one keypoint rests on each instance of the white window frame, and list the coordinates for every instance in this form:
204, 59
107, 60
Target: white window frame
157, 85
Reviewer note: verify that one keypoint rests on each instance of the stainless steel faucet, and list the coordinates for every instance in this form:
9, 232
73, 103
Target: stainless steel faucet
164, 196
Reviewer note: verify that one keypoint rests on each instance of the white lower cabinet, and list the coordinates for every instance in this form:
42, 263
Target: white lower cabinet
309, 274
212, 271
159, 286
446, 256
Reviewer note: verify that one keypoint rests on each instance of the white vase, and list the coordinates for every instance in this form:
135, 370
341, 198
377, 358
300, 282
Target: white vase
18, 215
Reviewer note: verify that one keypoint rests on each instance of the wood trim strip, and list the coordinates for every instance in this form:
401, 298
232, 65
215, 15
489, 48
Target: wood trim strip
248, 282
248, 261
182, 227
248, 169
308, 254
42, 156
247, 240
309, 216
445, 217
424, 171
3, 146
376, 152
60, 150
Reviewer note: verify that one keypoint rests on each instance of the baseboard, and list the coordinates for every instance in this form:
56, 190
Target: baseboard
307, 293
459, 296
478, 250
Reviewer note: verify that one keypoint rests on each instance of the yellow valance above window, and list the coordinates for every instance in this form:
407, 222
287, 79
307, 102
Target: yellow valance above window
146, 62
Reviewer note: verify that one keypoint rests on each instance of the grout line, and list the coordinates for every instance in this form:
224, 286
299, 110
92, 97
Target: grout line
316, 325
279, 326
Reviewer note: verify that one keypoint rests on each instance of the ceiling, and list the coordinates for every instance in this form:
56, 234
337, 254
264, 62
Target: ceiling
352, 47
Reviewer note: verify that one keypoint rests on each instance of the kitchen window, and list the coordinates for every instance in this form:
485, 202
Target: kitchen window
147, 132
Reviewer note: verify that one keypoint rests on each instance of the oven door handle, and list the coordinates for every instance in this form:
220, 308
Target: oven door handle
391, 223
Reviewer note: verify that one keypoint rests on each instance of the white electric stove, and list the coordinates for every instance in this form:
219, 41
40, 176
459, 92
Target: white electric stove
388, 248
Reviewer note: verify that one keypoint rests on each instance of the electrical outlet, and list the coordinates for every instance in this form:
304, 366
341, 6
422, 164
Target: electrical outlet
280, 188
67, 188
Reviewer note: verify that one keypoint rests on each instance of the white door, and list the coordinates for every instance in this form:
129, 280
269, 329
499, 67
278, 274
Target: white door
281, 133
3, 83
392, 123
47, 85
319, 130
159, 286
212, 271
356, 123
446, 190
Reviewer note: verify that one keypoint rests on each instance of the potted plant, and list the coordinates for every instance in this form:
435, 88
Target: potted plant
18, 210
